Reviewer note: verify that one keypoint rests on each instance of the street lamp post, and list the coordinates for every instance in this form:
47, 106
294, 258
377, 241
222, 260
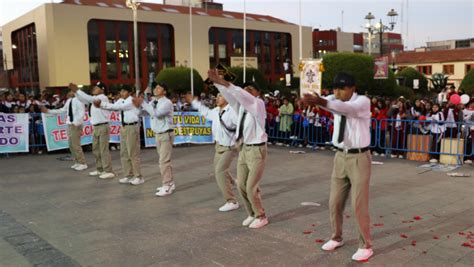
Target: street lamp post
379, 28
133, 4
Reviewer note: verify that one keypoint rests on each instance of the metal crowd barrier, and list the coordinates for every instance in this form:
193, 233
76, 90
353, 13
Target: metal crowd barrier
410, 138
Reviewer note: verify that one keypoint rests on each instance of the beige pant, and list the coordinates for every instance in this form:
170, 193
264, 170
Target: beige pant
100, 148
351, 173
74, 135
250, 168
222, 160
130, 150
164, 147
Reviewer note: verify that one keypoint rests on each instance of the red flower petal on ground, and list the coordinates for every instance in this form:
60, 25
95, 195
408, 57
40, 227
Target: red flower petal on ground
435, 237
378, 224
313, 225
461, 233
472, 241
403, 236
319, 241
466, 245
417, 218
413, 243
307, 232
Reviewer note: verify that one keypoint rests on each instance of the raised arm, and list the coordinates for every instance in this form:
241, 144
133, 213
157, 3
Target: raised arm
85, 98
205, 111
245, 99
159, 112
119, 105
233, 103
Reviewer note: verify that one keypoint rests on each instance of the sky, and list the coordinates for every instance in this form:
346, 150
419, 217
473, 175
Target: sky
419, 21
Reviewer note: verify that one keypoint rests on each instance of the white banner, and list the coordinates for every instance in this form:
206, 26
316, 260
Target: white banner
310, 76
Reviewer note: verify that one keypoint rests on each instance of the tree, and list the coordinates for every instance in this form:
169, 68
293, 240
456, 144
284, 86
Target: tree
439, 81
409, 74
359, 65
467, 84
252, 74
179, 80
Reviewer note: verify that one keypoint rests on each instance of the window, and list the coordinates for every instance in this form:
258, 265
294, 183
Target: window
271, 49
469, 67
424, 69
448, 69
111, 51
25, 58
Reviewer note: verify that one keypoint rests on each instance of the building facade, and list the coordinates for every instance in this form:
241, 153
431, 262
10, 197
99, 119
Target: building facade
84, 41
336, 41
455, 63
391, 42
450, 44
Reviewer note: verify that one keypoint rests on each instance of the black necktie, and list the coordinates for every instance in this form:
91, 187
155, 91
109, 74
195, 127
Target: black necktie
122, 115
241, 126
90, 106
71, 116
342, 128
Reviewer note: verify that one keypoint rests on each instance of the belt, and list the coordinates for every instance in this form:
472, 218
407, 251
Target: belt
224, 146
99, 124
167, 131
127, 124
260, 144
353, 150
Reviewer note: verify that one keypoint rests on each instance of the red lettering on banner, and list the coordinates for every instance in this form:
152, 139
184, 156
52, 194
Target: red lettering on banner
59, 135
87, 130
60, 121
114, 130
114, 116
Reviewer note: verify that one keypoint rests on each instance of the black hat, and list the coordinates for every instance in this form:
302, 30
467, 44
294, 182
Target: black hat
127, 87
101, 85
342, 80
163, 85
253, 84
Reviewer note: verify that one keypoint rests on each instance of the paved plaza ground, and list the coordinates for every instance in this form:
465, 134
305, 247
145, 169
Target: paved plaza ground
51, 215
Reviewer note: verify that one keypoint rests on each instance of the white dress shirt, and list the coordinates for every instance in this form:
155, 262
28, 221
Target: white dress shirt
357, 112
98, 115
223, 136
131, 114
161, 114
242, 101
437, 120
78, 111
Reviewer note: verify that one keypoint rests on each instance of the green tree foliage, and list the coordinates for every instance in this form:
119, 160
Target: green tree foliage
179, 80
467, 84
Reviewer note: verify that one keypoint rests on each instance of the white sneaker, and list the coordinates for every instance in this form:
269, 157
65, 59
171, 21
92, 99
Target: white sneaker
248, 221
229, 206
309, 146
74, 166
279, 144
332, 245
81, 167
322, 148
95, 173
107, 175
258, 223
166, 190
300, 145
113, 148
376, 154
393, 156
382, 155
137, 181
125, 180
433, 161
468, 161
400, 157
287, 145
363, 254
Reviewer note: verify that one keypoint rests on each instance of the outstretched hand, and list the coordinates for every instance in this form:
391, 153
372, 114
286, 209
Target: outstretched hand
73, 87
97, 103
214, 76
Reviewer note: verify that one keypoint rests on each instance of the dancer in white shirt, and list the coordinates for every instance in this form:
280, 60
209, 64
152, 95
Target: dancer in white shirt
224, 125
129, 135
161, 116
75, 113
352, 163
101, 136
253, 154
